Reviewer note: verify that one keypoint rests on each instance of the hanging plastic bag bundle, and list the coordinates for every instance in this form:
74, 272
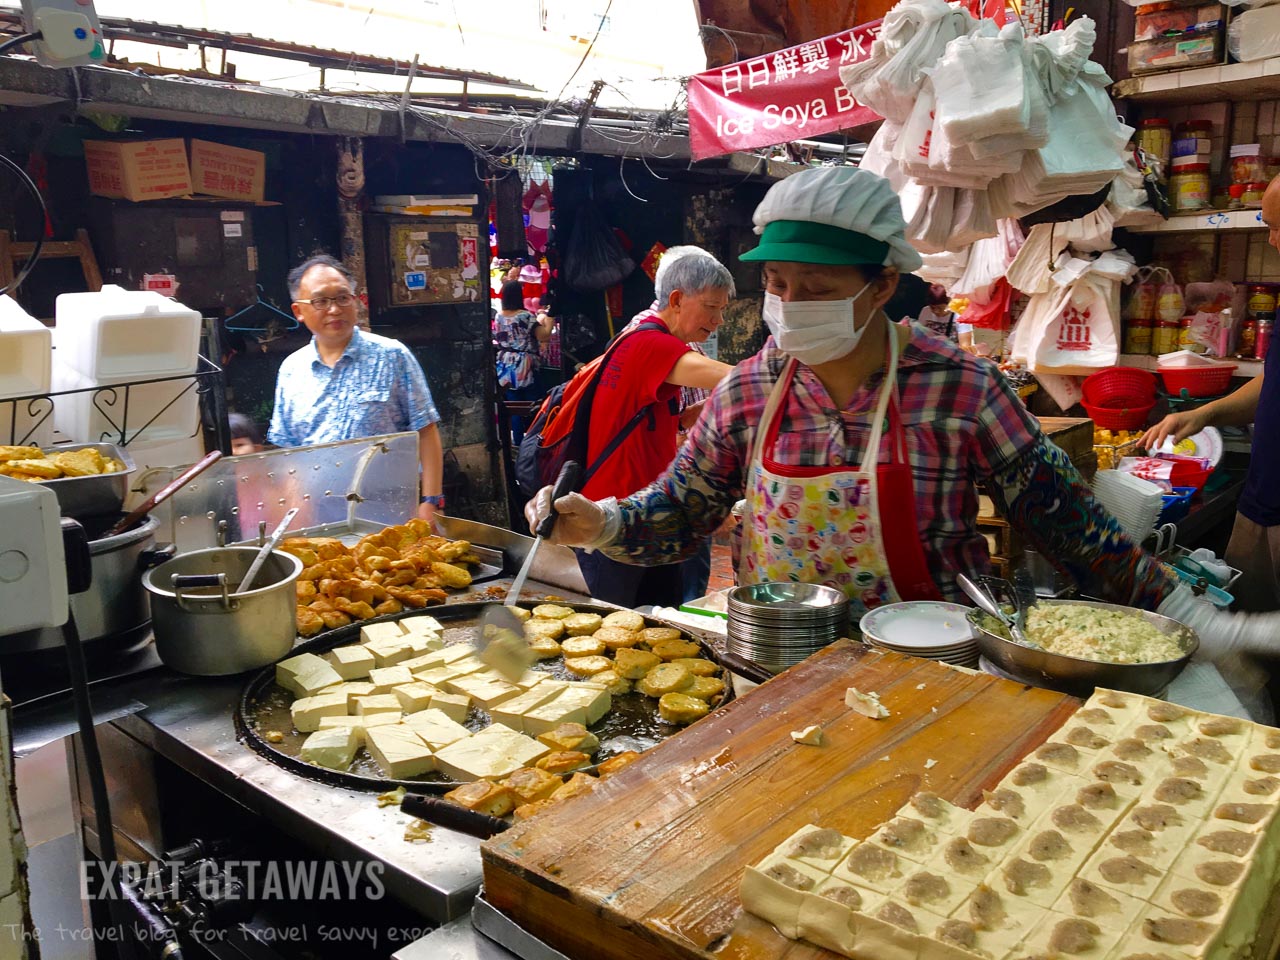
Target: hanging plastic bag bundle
913, 35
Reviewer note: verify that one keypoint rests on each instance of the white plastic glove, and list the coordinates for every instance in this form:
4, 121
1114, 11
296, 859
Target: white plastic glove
579, 522
1223, 635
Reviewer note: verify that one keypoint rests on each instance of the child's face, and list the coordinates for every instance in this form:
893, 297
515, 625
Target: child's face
242, 445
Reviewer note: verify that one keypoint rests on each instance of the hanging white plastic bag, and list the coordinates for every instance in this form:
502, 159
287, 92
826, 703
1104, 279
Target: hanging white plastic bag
1081, 336
1255, 34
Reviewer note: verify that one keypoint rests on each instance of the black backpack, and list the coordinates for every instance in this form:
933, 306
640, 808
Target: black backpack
561, 429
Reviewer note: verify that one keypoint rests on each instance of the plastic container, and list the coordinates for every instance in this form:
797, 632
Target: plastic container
157, 412
118, 334
1247, 163
26, 351
1262, 301
1266, 329
1176, 505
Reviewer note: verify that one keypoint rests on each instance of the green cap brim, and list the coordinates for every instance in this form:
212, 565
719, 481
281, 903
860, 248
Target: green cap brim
803, 241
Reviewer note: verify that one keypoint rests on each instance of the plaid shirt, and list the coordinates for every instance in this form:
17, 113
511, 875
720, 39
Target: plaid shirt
964, 427
689, 396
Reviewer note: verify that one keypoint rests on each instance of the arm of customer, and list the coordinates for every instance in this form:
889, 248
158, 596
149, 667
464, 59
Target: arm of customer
1234, 410
431, 456
542, 329
695, 370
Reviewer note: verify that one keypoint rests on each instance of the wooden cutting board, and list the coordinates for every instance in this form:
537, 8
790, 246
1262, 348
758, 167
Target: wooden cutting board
648, 864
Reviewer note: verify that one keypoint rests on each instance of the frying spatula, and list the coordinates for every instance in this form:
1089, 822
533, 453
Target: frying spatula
502, 644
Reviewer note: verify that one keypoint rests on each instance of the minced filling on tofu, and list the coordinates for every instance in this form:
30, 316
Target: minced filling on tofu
1090, 633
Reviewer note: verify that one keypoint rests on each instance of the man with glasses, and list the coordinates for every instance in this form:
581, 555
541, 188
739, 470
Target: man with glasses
347, 383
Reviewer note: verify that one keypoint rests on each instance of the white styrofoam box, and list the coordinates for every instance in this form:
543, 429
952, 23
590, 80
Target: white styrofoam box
116, 334
96, 414
33, 571
26, 348
166, 453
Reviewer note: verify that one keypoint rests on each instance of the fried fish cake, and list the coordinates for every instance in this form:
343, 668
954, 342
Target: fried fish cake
10, 452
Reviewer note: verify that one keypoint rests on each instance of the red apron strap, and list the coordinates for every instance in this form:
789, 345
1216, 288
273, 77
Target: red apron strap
903, 546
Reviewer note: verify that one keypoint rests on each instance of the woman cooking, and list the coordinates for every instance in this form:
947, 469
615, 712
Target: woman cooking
859, 445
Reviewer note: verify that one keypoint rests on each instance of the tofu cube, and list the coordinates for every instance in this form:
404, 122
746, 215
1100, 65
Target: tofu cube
421, 643
487, 693
593, 698
467, 664
436, 728
385, 679
308, 711
414, 696
398, 751
359, 724
455, 706
387, 630
352, 662
437, 676
354, 689
549, 715
334, 748
306, 674
423, 626
423, 662
386, 703
494, 752
388, 653
511, 712
459, 651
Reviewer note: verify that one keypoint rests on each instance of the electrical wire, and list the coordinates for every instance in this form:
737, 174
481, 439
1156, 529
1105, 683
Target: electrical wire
44, 218
19, 39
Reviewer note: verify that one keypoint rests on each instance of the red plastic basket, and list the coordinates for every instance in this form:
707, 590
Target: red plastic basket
1197, 381
1119, 418
1120, 387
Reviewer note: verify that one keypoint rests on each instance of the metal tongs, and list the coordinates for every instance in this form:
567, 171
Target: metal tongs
986, 598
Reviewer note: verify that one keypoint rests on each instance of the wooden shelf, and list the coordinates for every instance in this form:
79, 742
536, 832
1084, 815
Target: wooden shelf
1256, 80
1244, 368
1214, 220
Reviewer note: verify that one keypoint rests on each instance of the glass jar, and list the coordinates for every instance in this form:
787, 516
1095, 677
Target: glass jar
1262, 342
1189, 190
1248, 338
1137, 336
1164, 339
1262, 301
1142, 303
1186, 336
1247, 163
1194, 129
1252, 196
1155, 137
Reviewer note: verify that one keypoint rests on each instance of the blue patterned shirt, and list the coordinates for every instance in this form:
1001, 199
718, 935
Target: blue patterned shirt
376, 387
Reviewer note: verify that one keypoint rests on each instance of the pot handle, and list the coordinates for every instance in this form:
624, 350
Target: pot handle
180, 582
154, 556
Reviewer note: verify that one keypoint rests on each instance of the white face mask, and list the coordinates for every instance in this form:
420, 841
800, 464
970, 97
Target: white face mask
814, 331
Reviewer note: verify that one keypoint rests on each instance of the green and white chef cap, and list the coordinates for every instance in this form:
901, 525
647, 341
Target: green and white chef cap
833, 215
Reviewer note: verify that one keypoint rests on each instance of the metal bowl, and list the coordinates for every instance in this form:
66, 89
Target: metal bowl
786, 600
1075, 675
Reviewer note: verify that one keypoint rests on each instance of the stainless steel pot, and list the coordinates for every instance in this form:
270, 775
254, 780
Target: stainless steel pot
115, 603
202, 629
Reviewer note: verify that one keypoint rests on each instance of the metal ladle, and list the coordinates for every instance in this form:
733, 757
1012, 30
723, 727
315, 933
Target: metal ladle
987, 604
276, 536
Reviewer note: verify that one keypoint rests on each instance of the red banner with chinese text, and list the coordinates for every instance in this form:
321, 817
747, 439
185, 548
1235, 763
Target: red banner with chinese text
791, 94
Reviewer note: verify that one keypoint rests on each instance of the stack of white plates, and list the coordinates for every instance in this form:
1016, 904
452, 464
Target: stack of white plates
1135, 502
932, 629
776, 625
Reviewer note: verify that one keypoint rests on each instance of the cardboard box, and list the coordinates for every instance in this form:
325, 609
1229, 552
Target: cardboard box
138, 169
232, 172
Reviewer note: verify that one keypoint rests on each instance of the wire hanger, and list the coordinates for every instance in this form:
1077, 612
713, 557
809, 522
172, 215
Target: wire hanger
260, 302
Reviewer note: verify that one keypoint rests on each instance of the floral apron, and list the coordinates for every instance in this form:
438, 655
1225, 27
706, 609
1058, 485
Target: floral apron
854, 530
